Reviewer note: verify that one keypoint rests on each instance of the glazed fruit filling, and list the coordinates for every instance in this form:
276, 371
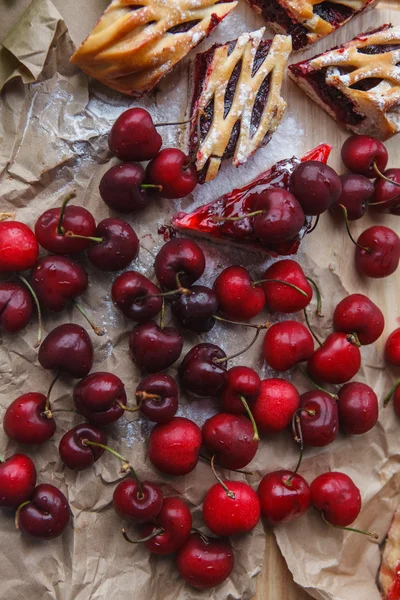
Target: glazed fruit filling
334, 14
274, 12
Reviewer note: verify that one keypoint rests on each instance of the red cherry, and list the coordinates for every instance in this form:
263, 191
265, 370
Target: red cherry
318, 418
121, 188
16, 307
28, 420
58, 280
18, 247
133, 137
231, 508
357, 192
201, 372
358, 314
174, 524
139, 503
17, 480
47, 514
286, 344
136, 296
67, 349
171, 170
283, 497
153, 348
75, 453
377, 252
241, 382
337, 360
337, 497
282, 216
284, 298
174, 447
316, 186
118, 247
205, 562
101, 398
396, 401
275, 406
179, 258
239, 299
360, 152
230, 438
157, 396
392, 348
387, 195
358, 408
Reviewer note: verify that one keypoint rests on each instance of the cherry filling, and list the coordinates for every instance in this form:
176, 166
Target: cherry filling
274, 13
334, 14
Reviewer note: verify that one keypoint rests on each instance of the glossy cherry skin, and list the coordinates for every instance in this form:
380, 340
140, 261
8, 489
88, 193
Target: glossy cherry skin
76, 219
133, 137
74, 453
282, 500
17, 480
16, 306
380, 254
47, 515
100, 397
239, 299
227, 516
204, 564
241, 382
175, 520
181, 257
358, 408
25, 422
196, 310
336, 361
318, 419
275, 406
18, 247
120, 188
387, 195
359, 152
392, 348
174, 447
358, 314
138, 506
396, 401
67, 349
120, 245
282, 218
230, 439
58, 280
135, 296
171, 170
357, 192
316, 186
200, 374
337, 497
283, 298
162, 409
286, 344
153, 349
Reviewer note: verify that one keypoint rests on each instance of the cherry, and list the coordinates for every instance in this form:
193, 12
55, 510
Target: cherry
17, 480
180, 262
157, 397
387, 195
360, 154
115, 245
101, 398
230, 439
19, 247
205, 562
58, 280
284, 496
67, 349
337, 497
274, 408
154, 348
133, 137
195, 310
136, 296
280, 218
286, 344
122, 188
337, 360
53, 224
316, 186
172, 171
357, 314
286, 287
203, 370
317, 423
392, 348
377, 252
358, 408
357, 191
46, 515
238, 297
138, 501
16, 306
75, 453
174, 447
242, 388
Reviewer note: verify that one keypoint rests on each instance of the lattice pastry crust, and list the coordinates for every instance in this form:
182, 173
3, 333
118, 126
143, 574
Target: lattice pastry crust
389, 573
262, 65
358, 83
136, 42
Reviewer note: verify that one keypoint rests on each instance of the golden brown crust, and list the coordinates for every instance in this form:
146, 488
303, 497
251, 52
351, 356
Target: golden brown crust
390, 566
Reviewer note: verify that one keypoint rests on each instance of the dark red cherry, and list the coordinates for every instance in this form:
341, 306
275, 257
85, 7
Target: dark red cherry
28, 419
171, 170
283, 497
337, 497
283, 298
316, 186
133, 137
136, 296
17, 480
358, 314
196, 309
118, 248
318, 418
174, 447
337, 360
286, 344
18, 247
392, 348
121, 188
358, 408
387, 195
67, 349
282, 217
58, 280
230, 438
157, 396
238, 297
139, 503
101, 398
77, 455
205, 562
379, 253
360, 152
179, 258
153, 348
47, 514
357, 192
172, 527
16, 306
241, 382
201, 372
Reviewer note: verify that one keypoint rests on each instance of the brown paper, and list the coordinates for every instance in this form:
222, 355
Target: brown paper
54, 133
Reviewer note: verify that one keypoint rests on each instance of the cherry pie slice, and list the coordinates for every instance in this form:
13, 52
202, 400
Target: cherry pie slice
237, 103
136, 42
203, 220
389, 573
358, 83
307, 21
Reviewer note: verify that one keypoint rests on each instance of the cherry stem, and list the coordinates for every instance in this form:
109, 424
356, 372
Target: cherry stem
47, 412
382, 176
67, 198
39, 310
226, 358
298, 436
313, 227
128, 408
242, 323
256, 437
20, 507
317, 387
151, 186
319, 297
182, 290
176, 122
7, 215
368, 533
346, 220
240, 218
203, 537
208, 461
390, 394
158, 531
352, 338
294, 287
96, 329
71, 234
146, 396
316, 338
229, 492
